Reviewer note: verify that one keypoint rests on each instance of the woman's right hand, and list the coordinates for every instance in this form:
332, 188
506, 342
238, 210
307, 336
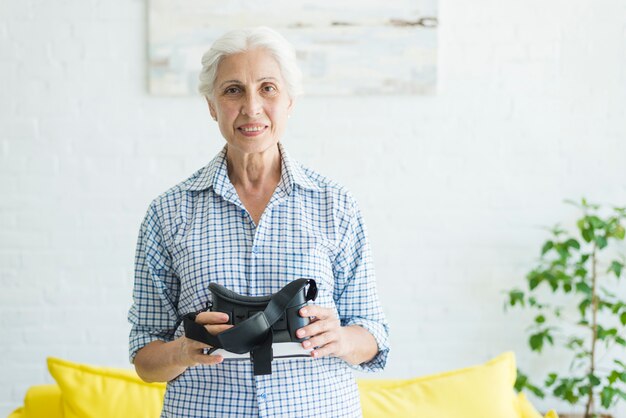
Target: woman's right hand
191, 352
160, 361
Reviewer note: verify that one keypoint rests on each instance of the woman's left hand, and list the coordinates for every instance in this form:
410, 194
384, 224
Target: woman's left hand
325, 332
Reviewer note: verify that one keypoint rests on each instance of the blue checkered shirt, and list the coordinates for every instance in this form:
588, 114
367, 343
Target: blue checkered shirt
199, 232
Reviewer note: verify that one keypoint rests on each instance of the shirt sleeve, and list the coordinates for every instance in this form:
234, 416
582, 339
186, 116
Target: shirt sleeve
153, 314
356, 296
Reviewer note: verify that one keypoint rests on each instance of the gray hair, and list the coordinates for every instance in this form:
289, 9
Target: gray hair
242, 40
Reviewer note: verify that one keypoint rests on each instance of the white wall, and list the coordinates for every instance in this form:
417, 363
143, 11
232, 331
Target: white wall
531, 110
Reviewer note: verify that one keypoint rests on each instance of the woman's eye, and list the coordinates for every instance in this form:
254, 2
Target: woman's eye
232, 90
269, 89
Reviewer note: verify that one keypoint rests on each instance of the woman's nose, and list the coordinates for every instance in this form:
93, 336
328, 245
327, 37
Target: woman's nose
252, 105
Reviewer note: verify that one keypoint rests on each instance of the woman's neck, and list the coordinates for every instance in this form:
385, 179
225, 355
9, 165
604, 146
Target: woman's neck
254, 171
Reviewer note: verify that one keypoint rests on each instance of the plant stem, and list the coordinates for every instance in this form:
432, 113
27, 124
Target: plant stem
594, 328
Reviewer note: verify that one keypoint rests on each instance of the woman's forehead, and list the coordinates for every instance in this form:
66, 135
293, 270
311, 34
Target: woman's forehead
256, 65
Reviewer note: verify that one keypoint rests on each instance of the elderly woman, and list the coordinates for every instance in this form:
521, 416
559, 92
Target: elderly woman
253, 220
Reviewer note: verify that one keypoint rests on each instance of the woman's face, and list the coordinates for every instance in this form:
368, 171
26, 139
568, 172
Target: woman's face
250, 101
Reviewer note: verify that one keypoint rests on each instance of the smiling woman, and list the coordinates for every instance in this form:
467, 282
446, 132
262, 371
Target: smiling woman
251, 102
254, 220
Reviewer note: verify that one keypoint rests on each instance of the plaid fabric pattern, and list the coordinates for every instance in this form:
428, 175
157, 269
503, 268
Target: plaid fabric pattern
199, 232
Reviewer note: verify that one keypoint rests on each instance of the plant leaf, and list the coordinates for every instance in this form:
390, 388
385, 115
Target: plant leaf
534, 279
603, 333
584, 305
596, 222
584, 288
547, 247
551, 379
522, 382
575, 343
516, 296
616, 267
601, 241
536, 342
566, 390
607, 396
613, 377
563, 250
620, 393
572, 243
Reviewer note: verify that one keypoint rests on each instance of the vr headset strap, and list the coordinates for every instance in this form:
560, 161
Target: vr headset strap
262, 356
253, 335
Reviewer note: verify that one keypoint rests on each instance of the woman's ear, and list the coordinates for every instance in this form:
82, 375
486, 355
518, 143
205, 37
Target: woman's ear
212, 109
292, 103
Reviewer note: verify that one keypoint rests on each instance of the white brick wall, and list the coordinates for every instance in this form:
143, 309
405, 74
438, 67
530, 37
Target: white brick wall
531, 110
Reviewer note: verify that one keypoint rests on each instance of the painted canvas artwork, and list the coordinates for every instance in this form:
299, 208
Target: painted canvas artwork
344, 47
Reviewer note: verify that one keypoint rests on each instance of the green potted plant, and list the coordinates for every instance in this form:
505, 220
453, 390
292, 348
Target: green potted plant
573, 294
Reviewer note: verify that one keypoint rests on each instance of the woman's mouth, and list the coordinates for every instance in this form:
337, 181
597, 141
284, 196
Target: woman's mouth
252, 130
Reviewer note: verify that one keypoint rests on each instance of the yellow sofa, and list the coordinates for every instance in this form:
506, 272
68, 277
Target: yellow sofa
483, 391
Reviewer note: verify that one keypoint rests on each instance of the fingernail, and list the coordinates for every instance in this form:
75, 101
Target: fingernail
314, 353
304, 311
306, 344
300, 333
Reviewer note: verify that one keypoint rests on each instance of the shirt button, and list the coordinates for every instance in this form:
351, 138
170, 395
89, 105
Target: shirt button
262, 397
243, 212
255, 249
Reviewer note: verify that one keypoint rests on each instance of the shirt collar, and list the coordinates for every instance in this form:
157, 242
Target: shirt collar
294, 172
215, 174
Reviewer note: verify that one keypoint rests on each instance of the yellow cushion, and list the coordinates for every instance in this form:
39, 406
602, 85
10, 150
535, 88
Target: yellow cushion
40, 401
529, 411
102, 392
484, 391
526, 408
18, 413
